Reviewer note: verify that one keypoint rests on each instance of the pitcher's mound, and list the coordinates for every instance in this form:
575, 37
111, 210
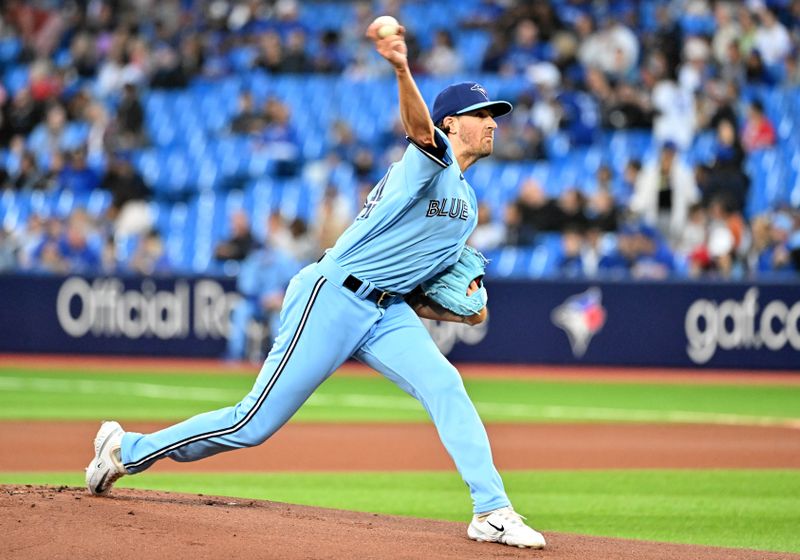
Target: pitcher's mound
42, 522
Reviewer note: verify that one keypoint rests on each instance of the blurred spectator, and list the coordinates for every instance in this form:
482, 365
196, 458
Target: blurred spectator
279, 138
30, 238
111, 75
83, 55
758, 132
547, 111
22, 114
5, 180
241, 241
293, 238
77, 177
695, 71
150, 257
343, 140
49, 137
248, 120
772, 40
269, 56
726, 33
262, 282
483, 14
618, 262
747, 30
724, 236
98, 119
334, 215
129, 122
488, 234
724, 176
760, 243
49, 260
302, 245
28, 175
571, 206
8, 252
570, 258
109, 258
532, 212
719, 104
44, 82
675, 113
602, 210
614, 49
294, 60
168, 71
38, 26
693, 235
756, 71
495, 53
525, 50
668, 35
626, 108
517, 137
331, 57
578, 116
77, 248
654, 260
664, 192
624, 189
775, 256
129, 210
442, 59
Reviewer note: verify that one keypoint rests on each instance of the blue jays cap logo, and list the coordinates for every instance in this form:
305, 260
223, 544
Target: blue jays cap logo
581, 316
479, 88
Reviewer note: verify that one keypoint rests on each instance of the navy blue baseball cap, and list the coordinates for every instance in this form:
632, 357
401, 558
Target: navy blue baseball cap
464, 97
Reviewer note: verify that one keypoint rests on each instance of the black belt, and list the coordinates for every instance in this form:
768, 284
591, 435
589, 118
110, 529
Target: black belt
375, 295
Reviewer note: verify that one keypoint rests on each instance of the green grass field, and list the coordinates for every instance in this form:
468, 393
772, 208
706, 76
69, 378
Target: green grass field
739, 508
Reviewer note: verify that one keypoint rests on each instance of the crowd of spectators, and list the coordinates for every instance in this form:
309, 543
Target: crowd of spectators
590, 68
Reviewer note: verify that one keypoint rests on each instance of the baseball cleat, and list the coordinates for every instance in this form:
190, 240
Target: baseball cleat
106, 467
504, 526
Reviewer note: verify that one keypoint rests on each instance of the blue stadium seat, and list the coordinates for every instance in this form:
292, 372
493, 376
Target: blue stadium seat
15, 78
10, 47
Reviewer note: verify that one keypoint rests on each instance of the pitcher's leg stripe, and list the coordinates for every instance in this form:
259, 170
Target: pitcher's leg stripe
241, 423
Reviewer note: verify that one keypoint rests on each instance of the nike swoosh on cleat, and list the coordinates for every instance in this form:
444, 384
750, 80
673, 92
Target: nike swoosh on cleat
495, 527
99, 488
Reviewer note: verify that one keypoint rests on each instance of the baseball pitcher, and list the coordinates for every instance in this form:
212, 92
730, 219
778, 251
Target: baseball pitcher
403, 258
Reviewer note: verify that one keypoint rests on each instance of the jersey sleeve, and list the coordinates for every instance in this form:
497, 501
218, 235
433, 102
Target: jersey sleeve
423, 163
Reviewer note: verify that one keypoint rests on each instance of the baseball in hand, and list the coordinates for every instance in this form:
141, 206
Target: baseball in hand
387, 26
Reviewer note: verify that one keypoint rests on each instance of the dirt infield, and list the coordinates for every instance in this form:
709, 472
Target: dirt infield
54, 523
41, 523
66, 446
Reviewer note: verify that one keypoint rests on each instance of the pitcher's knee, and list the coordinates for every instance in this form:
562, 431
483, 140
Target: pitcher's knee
253, 434
446, 381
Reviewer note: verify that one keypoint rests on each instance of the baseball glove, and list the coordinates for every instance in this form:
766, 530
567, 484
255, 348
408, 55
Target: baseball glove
449, 287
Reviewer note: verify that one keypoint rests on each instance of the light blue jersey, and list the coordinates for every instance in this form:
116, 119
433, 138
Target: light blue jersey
414, 224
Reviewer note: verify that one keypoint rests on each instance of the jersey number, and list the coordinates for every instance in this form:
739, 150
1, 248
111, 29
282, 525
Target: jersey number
373, 198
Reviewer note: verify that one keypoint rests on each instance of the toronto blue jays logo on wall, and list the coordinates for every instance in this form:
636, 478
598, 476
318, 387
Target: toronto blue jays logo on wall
581, 316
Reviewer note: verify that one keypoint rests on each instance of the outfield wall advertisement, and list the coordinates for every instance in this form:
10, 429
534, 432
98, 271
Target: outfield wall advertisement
720, 325
724, 325
132, 316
